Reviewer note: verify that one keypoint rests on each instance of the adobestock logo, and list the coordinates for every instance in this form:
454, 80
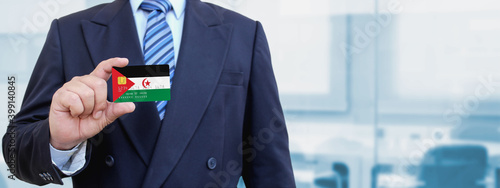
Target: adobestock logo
38, 20
364, 37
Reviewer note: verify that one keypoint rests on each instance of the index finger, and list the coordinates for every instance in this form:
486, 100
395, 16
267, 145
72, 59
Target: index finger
103, 70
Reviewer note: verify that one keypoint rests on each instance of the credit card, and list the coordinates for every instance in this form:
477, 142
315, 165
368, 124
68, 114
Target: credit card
141, 83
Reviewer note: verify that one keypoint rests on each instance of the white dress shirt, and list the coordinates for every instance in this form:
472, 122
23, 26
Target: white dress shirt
70, 161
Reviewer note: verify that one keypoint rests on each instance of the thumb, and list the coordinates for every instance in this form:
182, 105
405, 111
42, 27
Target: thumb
115, 110
104, 69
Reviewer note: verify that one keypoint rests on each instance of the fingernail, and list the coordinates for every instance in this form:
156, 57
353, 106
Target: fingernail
97, 115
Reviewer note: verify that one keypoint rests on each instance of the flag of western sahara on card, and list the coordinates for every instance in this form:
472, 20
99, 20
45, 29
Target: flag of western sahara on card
141, 83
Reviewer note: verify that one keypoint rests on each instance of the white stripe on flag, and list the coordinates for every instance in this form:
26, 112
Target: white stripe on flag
156, 82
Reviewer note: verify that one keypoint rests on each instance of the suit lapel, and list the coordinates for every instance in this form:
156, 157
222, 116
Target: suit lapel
201, 58
112, 33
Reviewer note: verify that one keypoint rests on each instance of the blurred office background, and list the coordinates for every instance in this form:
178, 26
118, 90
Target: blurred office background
376, 93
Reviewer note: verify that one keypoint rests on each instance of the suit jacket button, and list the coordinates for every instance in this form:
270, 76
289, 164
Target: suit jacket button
212, 163
110, 161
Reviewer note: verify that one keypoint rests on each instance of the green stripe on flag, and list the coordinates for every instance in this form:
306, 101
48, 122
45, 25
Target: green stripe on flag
145, 95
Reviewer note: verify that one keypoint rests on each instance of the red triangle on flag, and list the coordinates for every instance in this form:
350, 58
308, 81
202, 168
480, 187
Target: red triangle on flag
121, 84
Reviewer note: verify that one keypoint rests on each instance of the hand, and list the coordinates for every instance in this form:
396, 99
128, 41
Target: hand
79, 109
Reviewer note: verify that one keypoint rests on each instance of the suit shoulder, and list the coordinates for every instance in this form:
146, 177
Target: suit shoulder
229, 16
86, 14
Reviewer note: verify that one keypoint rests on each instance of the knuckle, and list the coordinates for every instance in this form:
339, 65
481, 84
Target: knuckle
76, 78
88, 93
72, 98
56, 95
100, 83
65, 85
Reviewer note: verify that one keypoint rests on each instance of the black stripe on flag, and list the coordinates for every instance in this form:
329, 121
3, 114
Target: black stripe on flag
144, 71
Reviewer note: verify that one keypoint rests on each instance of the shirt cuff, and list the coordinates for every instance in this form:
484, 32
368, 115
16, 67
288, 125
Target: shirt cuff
69, 161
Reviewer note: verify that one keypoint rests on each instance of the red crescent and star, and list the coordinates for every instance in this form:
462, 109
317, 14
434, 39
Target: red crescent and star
145, 83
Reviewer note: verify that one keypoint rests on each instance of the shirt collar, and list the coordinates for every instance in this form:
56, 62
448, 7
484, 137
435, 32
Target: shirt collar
177, 5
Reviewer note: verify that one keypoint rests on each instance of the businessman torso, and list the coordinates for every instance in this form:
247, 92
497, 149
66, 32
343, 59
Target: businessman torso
224, 120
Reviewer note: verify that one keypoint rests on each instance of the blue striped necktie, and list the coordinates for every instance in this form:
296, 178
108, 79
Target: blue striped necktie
158, 41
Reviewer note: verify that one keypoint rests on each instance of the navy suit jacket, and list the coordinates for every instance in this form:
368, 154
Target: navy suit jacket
224, 120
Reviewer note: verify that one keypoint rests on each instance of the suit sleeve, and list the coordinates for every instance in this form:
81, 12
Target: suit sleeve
266, 156
26, 143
